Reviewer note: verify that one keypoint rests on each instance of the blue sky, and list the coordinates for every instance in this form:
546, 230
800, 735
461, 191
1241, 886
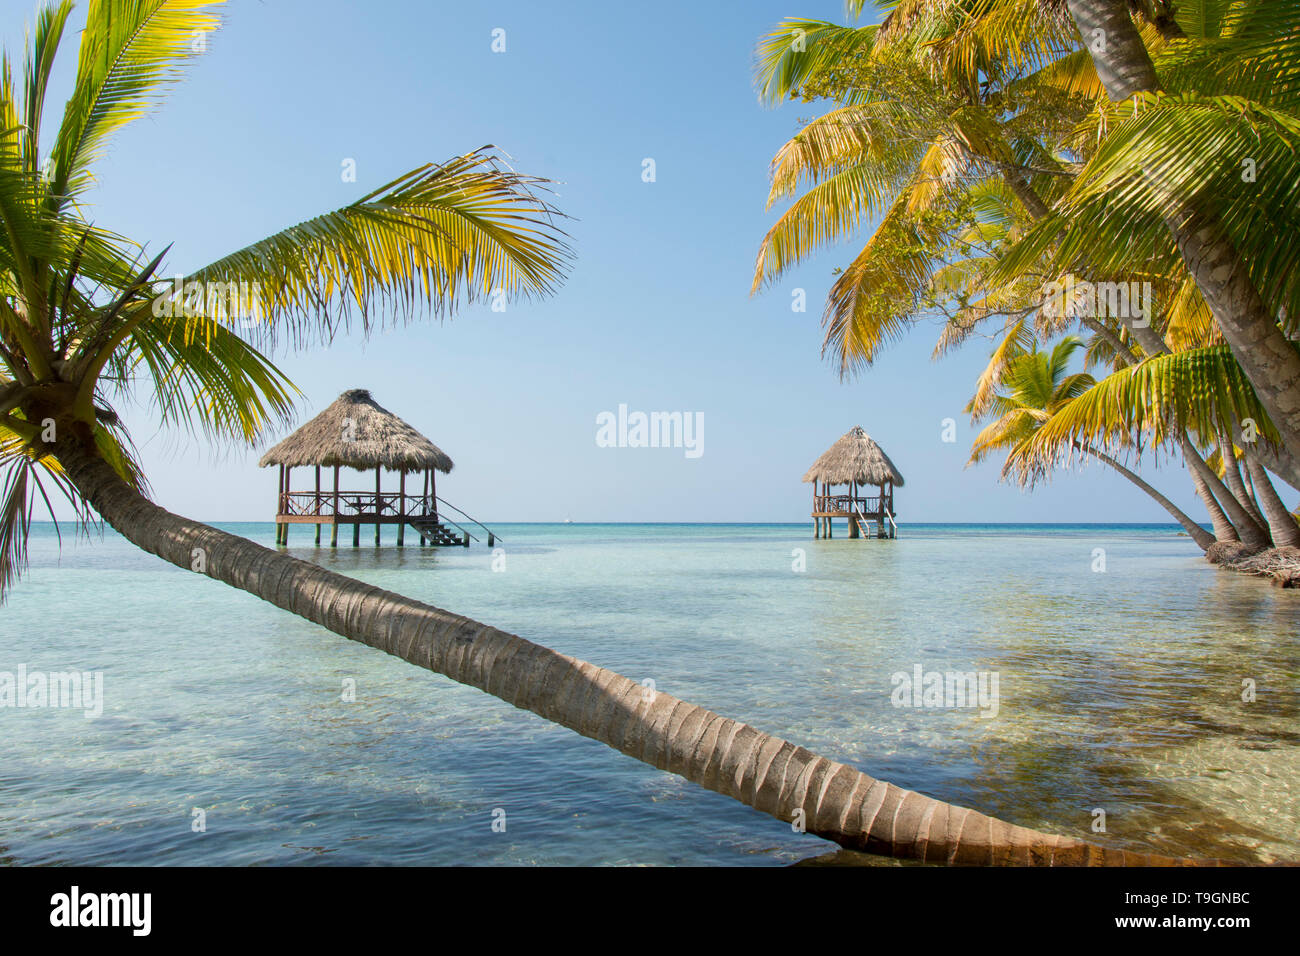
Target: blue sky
656, 313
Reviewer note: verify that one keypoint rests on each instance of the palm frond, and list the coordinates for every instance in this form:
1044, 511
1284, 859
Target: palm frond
1203, 390
132, 53
435, 238
798, 52
203, 377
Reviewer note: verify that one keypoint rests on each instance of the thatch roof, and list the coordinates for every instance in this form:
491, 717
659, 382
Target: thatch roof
357, 432
855, 457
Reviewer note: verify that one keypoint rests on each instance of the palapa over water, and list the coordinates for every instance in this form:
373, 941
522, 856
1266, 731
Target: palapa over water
854, 460
357, 432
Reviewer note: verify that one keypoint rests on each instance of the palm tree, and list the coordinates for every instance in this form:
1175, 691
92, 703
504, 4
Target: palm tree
1157, 403
1036, 385
949, 153
999, 114
1246, 95
82, 323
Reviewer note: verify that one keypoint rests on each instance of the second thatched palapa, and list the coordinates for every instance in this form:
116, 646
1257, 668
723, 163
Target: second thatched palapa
854, 460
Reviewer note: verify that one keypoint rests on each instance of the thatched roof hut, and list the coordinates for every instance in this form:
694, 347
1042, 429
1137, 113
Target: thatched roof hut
854, 459
357, 432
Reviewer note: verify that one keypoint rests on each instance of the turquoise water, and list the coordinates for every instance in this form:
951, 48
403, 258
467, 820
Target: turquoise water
1118, 691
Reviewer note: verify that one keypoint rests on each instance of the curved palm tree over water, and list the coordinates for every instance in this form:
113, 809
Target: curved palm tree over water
83, 323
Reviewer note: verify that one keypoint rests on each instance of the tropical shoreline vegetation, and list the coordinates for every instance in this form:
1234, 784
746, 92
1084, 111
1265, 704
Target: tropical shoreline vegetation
1044, 172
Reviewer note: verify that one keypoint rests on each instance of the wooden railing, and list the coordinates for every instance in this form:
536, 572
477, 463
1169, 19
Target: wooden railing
321, 503
385, 507
858, 504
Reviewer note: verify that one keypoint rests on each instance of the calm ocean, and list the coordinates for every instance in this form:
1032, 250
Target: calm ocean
1118, 691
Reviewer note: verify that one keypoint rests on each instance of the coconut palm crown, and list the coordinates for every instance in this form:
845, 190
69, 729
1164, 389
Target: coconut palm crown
85, 323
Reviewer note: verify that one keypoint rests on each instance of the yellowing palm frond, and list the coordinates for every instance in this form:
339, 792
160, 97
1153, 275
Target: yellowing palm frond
873, 302
437, 237
835, 142
1203, 390
827, 212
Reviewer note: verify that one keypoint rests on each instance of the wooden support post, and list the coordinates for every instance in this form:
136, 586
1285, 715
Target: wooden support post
378, 476
284, 535
854, 530
424, 501
356, 535
279, 504
317, 506
334, 530
401, 509
433, 492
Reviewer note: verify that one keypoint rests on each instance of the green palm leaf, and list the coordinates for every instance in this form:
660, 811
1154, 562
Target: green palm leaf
436, 237
132, 53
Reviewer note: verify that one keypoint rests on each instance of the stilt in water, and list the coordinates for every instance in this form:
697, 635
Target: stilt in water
316, 507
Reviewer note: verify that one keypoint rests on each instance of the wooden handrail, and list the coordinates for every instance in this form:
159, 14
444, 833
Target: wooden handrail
490, 532
351, 503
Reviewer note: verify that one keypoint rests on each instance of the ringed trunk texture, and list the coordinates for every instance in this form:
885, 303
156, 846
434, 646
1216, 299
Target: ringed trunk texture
1265, 354
1250, 534
835, 801
1282, 524
1232, 477
1276, 460
1223, 529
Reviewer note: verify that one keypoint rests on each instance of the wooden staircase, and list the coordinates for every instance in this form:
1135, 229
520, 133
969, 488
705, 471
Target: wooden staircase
438, 534
884, 527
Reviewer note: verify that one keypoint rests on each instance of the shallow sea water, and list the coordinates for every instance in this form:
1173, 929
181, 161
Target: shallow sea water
1119, 691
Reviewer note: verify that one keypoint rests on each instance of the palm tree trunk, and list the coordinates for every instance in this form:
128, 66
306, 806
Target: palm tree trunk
1249, 533
1232, 477
833, 800
1283, 527
1268, 358
1274, 459
1198, 534
1223, 529
1250, 487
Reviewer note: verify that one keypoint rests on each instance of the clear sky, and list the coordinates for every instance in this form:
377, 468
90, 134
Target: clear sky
656, 313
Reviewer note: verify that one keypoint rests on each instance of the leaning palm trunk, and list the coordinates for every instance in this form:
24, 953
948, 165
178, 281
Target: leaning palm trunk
1250, 534
1232, 477
1153, 344
1282, 525
1198, 534
830, 799
1223, 529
